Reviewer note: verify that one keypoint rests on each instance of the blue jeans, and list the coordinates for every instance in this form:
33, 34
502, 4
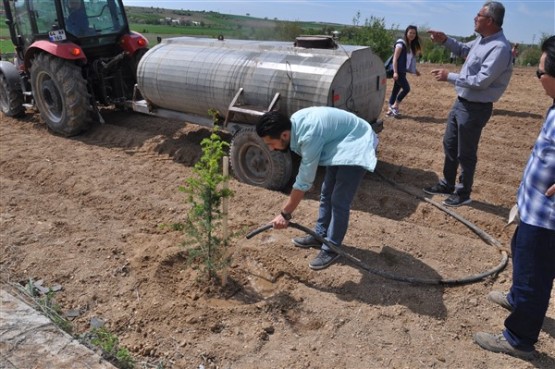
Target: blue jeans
338, 190
401, 89
460, 143
533, 250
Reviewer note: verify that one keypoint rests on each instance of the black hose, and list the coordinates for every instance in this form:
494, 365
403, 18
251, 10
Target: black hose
382, 273
427, 281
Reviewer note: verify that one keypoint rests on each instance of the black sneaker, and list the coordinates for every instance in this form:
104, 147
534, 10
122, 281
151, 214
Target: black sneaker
306, 242
456, 200
323, 260
438, 189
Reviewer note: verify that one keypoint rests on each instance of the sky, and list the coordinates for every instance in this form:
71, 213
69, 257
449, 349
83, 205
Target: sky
525, 21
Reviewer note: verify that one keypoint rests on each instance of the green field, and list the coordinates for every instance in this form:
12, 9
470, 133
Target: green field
6, 45
153, 30
212, 25
149, 31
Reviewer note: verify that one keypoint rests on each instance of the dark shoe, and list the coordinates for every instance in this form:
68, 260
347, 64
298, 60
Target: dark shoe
500, 299
456, 200
498, 343
438, 189
306, 242
323, 260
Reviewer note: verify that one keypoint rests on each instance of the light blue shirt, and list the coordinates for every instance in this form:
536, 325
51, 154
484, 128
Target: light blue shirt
487, 70
329, 136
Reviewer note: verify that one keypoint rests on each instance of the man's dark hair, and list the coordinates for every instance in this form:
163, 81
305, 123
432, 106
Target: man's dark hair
548, 47
496, 11
273, 124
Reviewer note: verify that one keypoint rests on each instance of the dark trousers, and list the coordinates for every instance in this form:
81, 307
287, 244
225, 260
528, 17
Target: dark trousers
533, 250
400, 90
460, 143
338, 190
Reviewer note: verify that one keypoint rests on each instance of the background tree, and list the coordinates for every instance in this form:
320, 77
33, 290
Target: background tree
288, 31
372, 34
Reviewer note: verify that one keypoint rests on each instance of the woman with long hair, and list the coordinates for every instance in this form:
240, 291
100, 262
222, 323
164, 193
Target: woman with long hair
405, 53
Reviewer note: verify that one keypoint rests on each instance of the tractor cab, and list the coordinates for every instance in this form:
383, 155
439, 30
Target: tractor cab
88, 23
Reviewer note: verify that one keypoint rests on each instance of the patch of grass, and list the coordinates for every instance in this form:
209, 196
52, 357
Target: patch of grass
6, 47
111, 349
47, 305
173, 226
99, 337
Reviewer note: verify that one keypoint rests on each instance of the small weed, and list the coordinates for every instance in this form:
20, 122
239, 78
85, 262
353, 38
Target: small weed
174, 226
111, 350
99, 337
47, 305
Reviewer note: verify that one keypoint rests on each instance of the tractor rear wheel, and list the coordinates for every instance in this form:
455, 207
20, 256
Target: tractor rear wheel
61, 95
254, 163
11, 98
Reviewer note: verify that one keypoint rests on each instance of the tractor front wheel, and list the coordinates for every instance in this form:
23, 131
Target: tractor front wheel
11, 98
60, 94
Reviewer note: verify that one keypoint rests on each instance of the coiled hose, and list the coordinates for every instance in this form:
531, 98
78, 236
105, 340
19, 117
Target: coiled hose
427, 281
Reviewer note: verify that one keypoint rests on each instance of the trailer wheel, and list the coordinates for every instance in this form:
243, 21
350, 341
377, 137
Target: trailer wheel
254, 163
11, 98
61, 95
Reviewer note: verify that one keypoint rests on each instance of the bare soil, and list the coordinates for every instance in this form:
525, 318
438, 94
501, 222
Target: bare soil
93, 213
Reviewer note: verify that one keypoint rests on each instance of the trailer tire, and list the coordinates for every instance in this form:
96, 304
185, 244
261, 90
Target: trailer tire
11, 98
254, 163
61, 95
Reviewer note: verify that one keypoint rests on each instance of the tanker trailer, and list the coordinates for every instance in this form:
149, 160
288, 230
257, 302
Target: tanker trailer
185, 77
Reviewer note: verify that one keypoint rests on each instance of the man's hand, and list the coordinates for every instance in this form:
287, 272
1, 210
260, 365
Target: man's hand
550, 191
280, 222
437, 37
440, 74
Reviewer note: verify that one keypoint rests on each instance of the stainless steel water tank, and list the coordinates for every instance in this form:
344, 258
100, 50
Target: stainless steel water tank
194, 75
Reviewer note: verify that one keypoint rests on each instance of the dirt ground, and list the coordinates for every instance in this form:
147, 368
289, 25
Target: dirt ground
92, 214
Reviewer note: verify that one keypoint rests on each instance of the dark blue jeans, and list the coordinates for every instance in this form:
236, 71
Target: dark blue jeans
533, 250
401, 89
460, 143
338, 190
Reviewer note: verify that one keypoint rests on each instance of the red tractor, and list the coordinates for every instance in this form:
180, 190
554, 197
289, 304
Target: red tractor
71, 56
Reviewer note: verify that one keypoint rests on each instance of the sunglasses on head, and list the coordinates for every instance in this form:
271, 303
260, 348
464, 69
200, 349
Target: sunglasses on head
539, 74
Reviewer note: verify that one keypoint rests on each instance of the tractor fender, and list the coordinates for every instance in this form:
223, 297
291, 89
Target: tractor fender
66, 50
131, 42
12, 75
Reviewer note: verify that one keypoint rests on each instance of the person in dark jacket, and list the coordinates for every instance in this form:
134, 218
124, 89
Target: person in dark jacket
404, 60
77, 21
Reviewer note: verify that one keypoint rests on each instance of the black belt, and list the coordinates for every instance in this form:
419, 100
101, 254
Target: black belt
462, 99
